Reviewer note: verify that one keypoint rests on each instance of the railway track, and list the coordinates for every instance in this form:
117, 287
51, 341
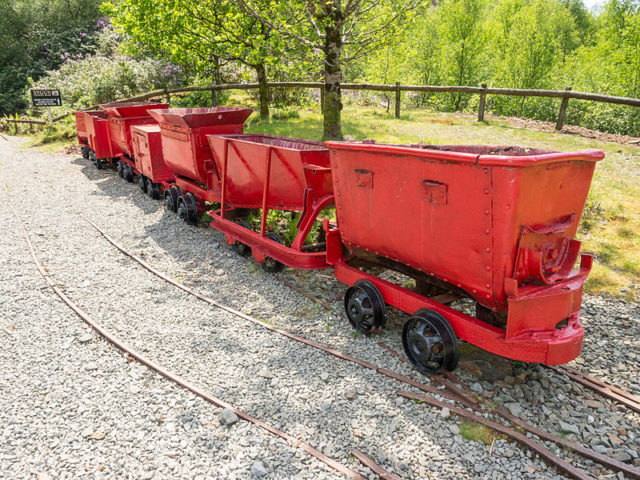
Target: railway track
448, 389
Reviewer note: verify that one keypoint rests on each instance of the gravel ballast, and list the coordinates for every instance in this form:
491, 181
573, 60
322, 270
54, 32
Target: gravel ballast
73, 405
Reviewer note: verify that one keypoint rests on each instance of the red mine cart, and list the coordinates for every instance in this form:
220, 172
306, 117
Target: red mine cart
188, 154
123, 116
495, 224
82, 132
154, 176
273, 173
97, 127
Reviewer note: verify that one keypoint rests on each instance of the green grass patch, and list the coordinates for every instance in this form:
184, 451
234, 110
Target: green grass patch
477, 432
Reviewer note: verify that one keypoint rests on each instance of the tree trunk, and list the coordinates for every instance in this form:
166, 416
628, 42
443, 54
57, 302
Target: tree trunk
263, 91
332, 79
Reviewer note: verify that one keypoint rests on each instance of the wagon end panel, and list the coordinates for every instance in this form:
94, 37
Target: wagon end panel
81, 129
430, 214
537, 211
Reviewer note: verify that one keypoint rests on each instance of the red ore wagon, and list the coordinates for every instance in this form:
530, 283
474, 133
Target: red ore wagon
82, 133
155, 175
97, 128
494, 225
263, 173
188, 155
123, 116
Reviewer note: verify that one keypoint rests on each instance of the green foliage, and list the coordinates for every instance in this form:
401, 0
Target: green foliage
40, 35
96, 79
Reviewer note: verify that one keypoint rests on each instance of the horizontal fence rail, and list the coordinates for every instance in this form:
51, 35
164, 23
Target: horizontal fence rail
483, 91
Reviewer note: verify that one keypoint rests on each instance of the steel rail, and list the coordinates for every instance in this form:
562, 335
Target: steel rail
113, 339
280, 331
373, 466
471, 401
531, 444
452, 393
609, 391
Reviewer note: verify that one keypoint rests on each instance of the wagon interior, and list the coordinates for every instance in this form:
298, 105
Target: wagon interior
486, 149
138, 109
201, 117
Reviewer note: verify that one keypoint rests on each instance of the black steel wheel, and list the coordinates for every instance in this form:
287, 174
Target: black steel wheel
240, 248
187, 208
120, 169
430, 342
171, 199
128, 172
142, 181
85, 151
365, 306
271, 265
153, 189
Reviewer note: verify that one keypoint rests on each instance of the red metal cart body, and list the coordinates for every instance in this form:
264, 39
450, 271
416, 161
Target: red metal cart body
81, 130
97, 127
123, 116
273, 173
147, 147
496, 222
186, 150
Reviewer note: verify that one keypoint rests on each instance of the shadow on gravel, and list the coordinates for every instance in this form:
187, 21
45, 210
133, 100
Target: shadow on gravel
111, 185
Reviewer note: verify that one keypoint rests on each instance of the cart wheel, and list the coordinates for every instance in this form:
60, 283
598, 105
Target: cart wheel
85, 151
153, 189
120, 169
271, 265
187, 208
128, 173
430, 342
171, 199
365, 306
142, 181
240, 248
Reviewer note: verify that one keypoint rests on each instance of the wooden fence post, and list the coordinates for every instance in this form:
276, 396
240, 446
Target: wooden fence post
397, 99
214, 98
483, 99
563, 111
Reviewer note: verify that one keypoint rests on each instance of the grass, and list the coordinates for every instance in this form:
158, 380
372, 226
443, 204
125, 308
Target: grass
477, 432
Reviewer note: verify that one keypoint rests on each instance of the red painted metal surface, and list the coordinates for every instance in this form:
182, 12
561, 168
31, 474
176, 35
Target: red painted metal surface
80, 128
147, 147
122, 116
274, 173
186, 150
497, 222
99, 139
461, 214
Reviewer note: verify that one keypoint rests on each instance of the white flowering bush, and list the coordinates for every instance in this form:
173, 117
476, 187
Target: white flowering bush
101, 79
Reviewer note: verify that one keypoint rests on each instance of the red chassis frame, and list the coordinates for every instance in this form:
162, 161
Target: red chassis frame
546, 345
262, 246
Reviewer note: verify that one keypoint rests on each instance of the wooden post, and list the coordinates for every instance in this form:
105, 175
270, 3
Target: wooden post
214, 97
397, 99
483, 99
563, 111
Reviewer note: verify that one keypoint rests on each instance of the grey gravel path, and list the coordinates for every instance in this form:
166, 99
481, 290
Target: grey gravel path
65, 388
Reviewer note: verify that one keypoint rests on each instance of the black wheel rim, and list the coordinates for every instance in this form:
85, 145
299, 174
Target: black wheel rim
239, 247
271, 265
430, 343
365, 306
143, 183
182, 209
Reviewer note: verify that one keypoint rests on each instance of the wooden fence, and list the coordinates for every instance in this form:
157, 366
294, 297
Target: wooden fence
483, 91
